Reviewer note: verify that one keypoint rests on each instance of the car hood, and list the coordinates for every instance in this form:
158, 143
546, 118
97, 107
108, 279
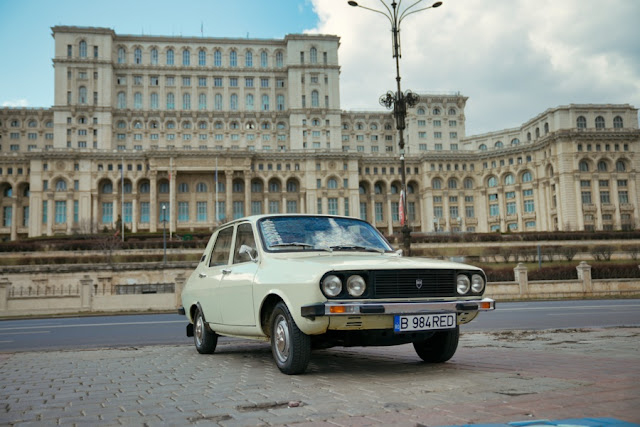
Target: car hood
340, 260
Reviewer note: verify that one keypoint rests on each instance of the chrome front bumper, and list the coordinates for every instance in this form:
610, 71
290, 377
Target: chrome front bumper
370, 307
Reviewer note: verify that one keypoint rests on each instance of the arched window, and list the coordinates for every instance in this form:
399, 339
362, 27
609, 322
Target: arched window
509, 179
617, 122
492, 182
237, 186
186, 101
183, 187
602, 166
201, 187
265, 102
154, 56
537, 133
144, 188
362, 189
171, 125
265, 125
498, 144
436, 183
527, 177
137, 101
32, 124
583, 166
202, 57
217, 58
202, 101
186, 57
373, 126
248, 103
233, 102
394, 189
256, 186
153, 101
546, 128
411, 189
620, 166
61, 185
83, 49
599, 122
313, 55
248, 59
121, 124
8, 192
137, 124
452, 183
420, 111
377, 189
137, 56
452, 111
436, 111
315, 99
171, 101
127, 187
581, 122
332, 184
468, 183
122, 100
515, 141
163, 187
82, 95
279, 60
233, 59
122, 55
274, 186
170, 57
217, 102
264, 59
483, 147
107, 188
292, 186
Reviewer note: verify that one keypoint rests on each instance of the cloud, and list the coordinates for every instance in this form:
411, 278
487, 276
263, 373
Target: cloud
16, 103
512, 58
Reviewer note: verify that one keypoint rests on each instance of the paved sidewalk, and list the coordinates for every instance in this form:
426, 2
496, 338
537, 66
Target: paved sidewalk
493, 378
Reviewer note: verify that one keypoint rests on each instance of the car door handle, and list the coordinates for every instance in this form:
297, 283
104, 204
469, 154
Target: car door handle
202, 275
226, 271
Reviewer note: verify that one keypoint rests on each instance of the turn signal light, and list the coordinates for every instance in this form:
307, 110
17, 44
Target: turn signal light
485, 305
336, 309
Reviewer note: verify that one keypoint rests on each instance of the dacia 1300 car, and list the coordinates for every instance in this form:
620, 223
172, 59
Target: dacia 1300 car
317, 281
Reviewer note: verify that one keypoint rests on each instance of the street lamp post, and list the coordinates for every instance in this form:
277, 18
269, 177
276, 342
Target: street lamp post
164, 233
399, 101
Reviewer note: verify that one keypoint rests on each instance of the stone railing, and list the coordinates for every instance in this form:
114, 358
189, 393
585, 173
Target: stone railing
48, 290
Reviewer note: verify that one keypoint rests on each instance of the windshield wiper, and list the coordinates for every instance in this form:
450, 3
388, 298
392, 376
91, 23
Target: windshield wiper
300, 245
357, 248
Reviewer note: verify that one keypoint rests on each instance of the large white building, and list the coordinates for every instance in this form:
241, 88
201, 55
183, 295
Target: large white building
201, 130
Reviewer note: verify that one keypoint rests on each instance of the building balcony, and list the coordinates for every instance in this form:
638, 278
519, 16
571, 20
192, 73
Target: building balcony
588, 207
608, 207
626, 207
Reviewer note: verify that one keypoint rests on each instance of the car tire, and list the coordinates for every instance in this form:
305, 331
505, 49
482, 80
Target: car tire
440, 347
204, 338
290, 346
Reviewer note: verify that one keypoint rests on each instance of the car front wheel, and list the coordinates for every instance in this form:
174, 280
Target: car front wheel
291, 347
440, 347
204, 338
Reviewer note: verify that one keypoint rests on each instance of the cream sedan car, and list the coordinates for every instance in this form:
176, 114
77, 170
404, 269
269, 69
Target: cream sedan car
317, 281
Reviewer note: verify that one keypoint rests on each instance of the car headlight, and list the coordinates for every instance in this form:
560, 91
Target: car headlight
477, 283
462, 284
356, 285
332, 286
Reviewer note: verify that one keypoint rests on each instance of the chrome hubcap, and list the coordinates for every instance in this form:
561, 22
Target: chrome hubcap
198, 333
281, 336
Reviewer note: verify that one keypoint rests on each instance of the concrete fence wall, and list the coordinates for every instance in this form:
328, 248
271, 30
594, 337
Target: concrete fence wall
46, 290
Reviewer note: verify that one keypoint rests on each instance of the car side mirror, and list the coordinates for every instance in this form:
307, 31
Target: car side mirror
399, 252
248, 250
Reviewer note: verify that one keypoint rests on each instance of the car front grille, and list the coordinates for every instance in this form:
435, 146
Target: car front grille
406, 283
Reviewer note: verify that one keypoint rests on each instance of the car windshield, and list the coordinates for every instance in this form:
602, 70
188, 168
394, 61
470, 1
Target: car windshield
304, 233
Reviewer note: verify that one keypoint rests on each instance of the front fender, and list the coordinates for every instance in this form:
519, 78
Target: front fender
316, 326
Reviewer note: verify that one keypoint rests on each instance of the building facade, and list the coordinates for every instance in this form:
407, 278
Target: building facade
185, 133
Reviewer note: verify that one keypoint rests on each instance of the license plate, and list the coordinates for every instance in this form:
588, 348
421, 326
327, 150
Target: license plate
424, 322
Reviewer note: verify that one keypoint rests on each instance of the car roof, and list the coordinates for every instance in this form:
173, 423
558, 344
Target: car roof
256, 218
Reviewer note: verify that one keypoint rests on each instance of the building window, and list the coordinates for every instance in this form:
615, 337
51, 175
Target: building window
170, 57
233, 59
248, 59
617, 122
137, 56
599, 122
122, 55
107, 213
154, 56
279, 60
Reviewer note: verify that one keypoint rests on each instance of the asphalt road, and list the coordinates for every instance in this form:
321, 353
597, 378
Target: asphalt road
167, 329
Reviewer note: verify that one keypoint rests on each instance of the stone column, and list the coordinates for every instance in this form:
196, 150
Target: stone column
70, 213
134, 214
50, 214
584, 274
153, 203
389, 215
247, 196
86, 283
14, 218
228, 195
5, 284
521, 276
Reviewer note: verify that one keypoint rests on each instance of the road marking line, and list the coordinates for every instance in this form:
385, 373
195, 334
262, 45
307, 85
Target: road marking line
24, 333
86, 325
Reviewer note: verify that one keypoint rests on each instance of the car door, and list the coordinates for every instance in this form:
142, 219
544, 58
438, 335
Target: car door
236, 288
209, 277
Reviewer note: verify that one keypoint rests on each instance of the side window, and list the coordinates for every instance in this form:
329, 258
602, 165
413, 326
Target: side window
244, 236
222, 247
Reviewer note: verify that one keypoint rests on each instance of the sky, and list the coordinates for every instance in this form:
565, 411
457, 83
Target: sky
514, 59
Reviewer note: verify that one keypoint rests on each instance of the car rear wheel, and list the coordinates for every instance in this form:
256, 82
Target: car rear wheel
290, 346
440, 347
204, 338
